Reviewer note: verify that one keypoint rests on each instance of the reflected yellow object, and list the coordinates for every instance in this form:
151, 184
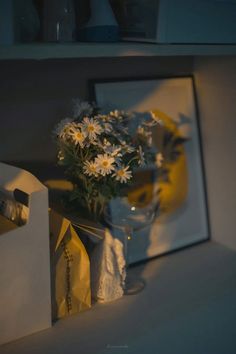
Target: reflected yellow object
141, 196
174, 192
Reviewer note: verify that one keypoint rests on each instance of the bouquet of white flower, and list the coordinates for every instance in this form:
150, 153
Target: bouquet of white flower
100, 152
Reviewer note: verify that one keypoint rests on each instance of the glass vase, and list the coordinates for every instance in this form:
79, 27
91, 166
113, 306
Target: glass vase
59, 21
125, 219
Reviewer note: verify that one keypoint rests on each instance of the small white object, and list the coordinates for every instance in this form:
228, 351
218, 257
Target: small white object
102, 25
107, 269
25, 299
102, 14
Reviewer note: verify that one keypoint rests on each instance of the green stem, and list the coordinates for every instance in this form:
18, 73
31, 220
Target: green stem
134, 158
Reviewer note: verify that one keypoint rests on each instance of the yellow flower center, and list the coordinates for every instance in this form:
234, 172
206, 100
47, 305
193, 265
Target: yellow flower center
79, 136
105, 163
91, 128
121, 173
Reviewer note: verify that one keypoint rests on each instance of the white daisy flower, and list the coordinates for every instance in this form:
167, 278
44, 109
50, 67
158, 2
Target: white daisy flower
126, 148
141, 159
90, 168
105, 164
159, 159
112, 150
123, 174
91, 127
78, 137
81, 108
63, 127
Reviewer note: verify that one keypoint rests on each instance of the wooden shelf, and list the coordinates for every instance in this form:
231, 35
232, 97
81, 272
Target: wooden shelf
95, 50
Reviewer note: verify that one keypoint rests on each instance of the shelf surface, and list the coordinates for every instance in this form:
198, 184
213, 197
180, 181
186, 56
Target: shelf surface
96, 50
187, 306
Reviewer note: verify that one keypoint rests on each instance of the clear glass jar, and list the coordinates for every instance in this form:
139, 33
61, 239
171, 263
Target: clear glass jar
59, 21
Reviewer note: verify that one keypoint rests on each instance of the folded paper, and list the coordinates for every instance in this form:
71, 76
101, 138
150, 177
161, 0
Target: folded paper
70, 269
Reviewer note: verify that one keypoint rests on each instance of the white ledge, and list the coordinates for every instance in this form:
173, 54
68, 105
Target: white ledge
42, 51
187, 306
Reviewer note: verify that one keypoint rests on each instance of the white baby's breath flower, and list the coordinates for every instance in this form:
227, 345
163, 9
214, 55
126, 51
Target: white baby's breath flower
78, 137
141, 159
123, 174
118, 115
107, 127
159, 159
60, 155
104, 164
115, 114
81, 108
102, 117
91, 127
103, 144
63, 127
90, 168
106, 142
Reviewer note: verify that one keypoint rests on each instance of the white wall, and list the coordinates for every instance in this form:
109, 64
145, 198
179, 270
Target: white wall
34, 95
216, 90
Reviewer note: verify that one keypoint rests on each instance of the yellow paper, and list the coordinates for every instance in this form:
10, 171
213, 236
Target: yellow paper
70, 267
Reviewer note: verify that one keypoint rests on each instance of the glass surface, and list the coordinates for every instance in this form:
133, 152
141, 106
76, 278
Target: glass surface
124, 218
59, 21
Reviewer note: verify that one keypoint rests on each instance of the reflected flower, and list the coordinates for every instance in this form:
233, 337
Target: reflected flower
141, 159
159, 159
